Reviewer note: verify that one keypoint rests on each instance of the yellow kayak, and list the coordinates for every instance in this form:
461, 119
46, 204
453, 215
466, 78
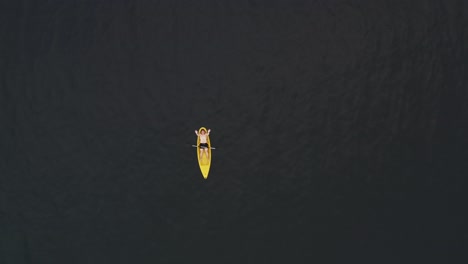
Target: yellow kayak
204, 162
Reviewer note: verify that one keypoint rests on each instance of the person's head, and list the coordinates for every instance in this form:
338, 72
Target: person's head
203, 132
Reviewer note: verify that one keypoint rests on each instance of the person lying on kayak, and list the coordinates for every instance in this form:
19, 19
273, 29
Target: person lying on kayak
203, 142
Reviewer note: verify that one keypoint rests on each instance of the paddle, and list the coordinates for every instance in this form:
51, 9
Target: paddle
196, 146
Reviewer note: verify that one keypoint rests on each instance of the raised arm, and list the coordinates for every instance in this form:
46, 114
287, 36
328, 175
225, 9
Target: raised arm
196, 132
209, 131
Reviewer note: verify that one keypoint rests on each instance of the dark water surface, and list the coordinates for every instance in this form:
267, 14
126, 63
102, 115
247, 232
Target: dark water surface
340, 126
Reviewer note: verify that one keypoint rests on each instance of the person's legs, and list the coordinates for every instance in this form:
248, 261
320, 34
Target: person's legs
207, 153
201, 153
